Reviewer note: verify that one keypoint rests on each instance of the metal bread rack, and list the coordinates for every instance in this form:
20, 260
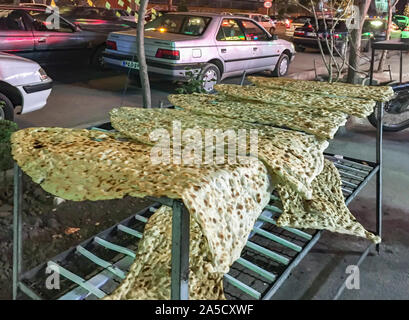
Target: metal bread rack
95, 267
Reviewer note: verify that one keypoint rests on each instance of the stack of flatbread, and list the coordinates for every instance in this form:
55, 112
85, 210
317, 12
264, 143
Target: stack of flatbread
223, 197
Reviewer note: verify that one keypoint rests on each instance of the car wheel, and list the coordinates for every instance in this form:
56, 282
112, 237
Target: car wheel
209, 76
298, 48
6, 108
97, 60
282, 65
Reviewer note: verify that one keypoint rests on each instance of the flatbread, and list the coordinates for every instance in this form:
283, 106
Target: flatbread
339, 89
321, 123
352, 106
149, 277
89, 165
326, 210
291, 157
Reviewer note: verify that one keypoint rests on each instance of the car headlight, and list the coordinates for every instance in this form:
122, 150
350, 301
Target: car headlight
43, 74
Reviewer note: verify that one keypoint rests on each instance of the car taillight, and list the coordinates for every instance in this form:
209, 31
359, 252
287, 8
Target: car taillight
168, 54
299, 33
111, 45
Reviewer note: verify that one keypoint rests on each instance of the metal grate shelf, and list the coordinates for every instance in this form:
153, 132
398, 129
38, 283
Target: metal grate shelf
96, 267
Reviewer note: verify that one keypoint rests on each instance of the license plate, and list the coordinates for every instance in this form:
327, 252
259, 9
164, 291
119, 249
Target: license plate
130, 64
311, 34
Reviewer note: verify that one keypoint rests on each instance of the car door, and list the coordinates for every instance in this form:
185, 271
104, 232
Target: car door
57, 42
15, 35
265, 51
232, 46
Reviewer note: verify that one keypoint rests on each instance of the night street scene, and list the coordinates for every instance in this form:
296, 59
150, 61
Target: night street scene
226, 151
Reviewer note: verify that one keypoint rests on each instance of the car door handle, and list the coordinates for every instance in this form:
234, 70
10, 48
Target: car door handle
224, 50
42, 40
255, 49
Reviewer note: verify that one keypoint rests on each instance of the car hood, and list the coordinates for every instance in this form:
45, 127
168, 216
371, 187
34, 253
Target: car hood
9, 58
18, 71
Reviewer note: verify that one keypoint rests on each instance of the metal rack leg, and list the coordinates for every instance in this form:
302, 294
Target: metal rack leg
371, 70
17, 228
180, 252
379, 161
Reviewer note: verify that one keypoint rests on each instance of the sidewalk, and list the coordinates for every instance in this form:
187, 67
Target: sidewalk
302, 67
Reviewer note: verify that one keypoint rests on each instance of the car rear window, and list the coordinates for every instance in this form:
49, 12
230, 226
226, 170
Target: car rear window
179, 24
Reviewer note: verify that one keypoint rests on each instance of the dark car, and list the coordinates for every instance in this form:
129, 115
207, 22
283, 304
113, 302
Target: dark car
95, 19
35, 34
308, 35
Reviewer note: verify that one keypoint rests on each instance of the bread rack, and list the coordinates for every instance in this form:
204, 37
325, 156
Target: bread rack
270, 254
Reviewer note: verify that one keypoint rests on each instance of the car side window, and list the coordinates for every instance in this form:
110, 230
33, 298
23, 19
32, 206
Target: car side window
253, 32
12, 20
43, 21
230, 31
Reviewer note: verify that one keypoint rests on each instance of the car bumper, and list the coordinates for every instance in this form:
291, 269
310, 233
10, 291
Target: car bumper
35, 96
169, 71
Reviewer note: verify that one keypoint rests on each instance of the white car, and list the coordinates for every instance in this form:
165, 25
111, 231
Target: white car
24, 86
265, 21
213, 46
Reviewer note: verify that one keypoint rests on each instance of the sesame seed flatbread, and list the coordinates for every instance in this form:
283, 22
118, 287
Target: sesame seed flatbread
326, 210
351, 106
339, 89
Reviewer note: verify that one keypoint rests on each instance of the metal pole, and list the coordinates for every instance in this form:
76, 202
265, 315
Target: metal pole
401, 67
379, 161
372, 65
17, 228
180, 252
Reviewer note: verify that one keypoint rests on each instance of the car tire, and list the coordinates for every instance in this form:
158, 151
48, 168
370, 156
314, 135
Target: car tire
298, 48
210, 76
97, 60
7, 109
282, 65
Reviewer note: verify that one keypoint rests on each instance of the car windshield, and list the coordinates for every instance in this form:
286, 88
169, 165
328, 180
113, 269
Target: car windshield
180, 24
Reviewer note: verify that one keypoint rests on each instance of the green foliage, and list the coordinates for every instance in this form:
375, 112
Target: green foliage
6, 129
193, 83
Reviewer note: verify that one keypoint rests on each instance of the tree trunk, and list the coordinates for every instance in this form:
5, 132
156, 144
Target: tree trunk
143, 67
355, 45
170, 5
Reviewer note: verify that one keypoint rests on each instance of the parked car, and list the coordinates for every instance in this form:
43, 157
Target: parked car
23, 84
211, 45
95, 19
261, 19
306, 36
26, 31
292, 24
